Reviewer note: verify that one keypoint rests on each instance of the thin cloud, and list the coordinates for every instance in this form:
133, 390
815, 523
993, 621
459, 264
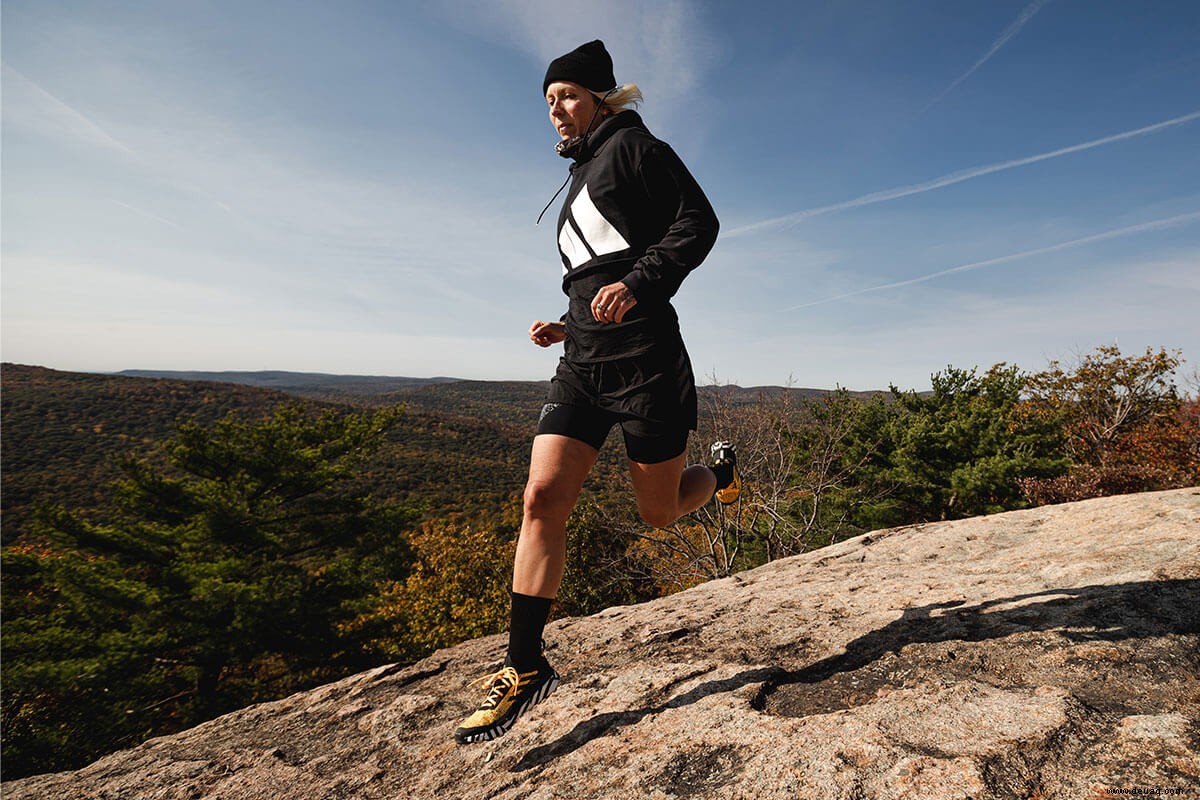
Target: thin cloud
1009, 32
955, 177
1155, 225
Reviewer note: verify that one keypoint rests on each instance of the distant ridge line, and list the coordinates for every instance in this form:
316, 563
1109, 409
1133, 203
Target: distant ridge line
312, 383
278, 379
284, 379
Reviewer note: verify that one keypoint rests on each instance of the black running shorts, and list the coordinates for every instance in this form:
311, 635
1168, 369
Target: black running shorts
651, 396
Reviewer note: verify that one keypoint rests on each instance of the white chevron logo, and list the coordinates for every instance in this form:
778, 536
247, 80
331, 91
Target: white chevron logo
591, 235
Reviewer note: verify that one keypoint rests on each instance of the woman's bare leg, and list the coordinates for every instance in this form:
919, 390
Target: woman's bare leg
668, 490
558, 466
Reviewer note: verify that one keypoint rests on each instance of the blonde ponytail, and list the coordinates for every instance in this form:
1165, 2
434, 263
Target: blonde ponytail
624, 98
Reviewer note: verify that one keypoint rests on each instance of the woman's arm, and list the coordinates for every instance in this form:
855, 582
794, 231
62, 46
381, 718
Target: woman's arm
674, 193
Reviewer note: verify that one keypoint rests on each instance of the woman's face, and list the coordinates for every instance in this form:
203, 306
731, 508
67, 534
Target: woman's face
571, 108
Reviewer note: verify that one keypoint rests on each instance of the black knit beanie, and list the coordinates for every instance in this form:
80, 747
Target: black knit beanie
588, 65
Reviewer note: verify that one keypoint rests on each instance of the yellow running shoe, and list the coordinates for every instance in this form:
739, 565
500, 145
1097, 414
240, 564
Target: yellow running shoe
509, 695
724, 464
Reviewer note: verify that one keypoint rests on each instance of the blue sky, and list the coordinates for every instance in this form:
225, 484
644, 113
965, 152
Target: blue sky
351, 187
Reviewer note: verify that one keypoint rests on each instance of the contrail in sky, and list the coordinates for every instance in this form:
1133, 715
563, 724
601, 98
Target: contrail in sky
955, 177
1168, 222
37, 107
147, 214
1002, 40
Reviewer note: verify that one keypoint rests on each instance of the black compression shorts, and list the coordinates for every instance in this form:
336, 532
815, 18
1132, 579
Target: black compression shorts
651, 396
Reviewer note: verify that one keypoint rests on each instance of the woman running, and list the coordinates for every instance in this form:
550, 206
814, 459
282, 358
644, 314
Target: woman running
633, 225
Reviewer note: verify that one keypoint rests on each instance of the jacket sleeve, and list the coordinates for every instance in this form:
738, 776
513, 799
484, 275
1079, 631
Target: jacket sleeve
677, 200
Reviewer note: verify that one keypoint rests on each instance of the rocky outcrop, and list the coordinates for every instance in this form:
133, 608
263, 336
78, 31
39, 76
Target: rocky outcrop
1048, 653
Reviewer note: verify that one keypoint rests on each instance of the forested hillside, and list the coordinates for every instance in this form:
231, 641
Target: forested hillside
503, 401
62, 432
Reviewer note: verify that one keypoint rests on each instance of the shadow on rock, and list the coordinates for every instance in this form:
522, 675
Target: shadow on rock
1099, 613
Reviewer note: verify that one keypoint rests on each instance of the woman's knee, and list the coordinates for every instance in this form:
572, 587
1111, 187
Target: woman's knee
657, 516
547, 500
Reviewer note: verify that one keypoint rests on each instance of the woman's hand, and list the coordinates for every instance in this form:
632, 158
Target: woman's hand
544, 334
612, 303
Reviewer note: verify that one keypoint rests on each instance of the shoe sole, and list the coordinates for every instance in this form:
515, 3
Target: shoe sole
501, 728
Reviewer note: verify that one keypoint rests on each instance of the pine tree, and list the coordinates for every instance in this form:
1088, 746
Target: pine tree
960, 450
220, 577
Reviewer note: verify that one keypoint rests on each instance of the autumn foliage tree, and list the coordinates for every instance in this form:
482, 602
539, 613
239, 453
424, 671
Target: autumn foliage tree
1126, 425
459, 583
457, 589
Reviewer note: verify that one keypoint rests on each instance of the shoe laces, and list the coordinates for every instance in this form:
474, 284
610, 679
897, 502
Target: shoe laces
499, 684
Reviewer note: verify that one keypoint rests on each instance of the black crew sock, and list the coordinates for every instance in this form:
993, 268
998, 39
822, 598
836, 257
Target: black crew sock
528, 620
724, 473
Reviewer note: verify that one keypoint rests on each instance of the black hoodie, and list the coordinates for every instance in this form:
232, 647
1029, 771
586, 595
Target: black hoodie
633, 214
